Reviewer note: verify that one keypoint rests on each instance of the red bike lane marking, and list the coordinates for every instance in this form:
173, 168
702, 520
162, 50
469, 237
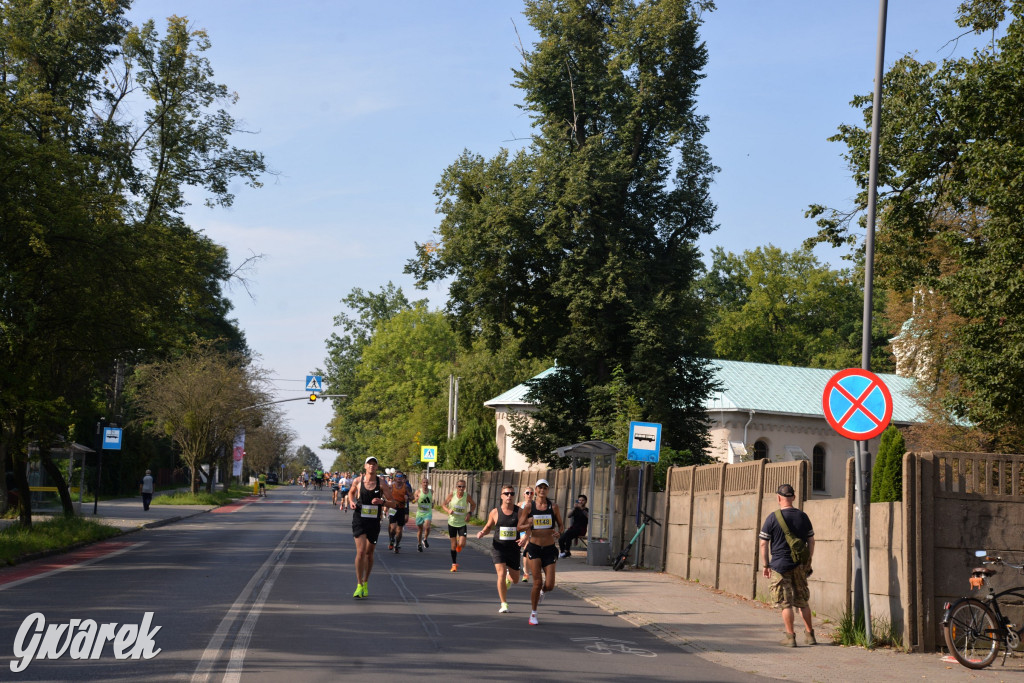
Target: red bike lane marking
234, 507
39, 568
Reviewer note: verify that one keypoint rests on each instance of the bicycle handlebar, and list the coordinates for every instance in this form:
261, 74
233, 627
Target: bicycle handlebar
648, 518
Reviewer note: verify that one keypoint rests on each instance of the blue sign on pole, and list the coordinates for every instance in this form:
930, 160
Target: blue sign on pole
314, 383
644, 441
111, 438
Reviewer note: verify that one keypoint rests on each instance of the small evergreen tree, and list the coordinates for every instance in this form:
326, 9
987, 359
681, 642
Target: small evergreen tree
887, 475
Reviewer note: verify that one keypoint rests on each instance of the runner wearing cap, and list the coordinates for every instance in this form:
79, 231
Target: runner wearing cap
367, 495
539, 520
505, 551
459, 505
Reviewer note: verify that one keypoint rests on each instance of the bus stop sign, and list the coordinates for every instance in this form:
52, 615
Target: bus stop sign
857, 404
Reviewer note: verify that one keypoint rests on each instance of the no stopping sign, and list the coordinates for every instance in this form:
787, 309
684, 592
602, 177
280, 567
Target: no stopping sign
857, 404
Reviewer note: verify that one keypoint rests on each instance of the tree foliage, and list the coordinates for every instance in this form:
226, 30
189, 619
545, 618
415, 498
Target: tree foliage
583, 245
951, 214
201, 400
787, 308
887, 475
102, 127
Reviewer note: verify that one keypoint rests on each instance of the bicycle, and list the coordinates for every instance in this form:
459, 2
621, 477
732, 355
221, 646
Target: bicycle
974, 629
623, 557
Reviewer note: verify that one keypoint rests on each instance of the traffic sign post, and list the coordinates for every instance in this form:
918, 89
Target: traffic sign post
858, 405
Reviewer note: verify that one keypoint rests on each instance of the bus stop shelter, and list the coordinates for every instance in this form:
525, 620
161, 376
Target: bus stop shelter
601, 459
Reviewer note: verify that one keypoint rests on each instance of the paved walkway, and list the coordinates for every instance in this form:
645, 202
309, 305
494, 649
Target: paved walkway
719, 627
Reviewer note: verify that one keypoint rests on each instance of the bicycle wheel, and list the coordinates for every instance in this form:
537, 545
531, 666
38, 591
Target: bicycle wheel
620, 561
972, 633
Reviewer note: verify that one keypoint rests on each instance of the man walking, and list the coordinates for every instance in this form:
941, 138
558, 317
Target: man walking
146, 489
788, 578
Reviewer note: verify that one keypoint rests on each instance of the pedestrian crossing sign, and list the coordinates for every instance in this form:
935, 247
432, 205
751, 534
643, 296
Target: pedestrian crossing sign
428, 453
314, 383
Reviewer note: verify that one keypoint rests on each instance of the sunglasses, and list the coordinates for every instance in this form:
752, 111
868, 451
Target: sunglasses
460, 487
529, 493
508, 493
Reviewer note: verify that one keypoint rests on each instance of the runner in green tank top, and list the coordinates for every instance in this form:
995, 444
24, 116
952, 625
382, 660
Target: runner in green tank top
459, 505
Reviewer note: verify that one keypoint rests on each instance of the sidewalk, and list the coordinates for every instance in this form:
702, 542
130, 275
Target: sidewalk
738, 633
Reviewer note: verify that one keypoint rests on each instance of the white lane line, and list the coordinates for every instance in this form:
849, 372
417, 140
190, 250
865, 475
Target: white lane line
213, 649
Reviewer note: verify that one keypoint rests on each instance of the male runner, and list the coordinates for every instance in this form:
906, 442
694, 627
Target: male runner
401, 490
345, 483
505, 550
459, 505
424, 513
335, 478
367, 496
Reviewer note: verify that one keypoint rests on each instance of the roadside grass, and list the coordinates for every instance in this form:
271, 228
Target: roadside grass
850, 632
59, 532
204, 498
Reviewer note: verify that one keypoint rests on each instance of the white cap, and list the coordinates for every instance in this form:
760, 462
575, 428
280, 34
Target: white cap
541, 481
369, 459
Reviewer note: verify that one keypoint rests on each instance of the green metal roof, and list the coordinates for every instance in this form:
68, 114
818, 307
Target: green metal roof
788, 390
764, 388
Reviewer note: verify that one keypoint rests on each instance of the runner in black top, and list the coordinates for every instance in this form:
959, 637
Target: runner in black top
369, 493
505, 550
539, 521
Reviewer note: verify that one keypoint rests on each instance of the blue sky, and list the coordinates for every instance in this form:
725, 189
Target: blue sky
359, 107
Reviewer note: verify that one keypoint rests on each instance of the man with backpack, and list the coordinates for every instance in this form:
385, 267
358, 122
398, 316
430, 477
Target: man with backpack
790, 536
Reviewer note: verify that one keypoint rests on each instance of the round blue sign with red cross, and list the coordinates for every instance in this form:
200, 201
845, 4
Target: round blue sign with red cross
857, 404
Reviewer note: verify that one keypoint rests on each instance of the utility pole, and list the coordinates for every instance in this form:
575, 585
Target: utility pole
453, 406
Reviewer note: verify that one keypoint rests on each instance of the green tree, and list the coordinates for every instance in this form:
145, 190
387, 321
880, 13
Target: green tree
201, 400
787, 308
951, 216
473, 448
98, 265
583, 245
887, 474
307, 459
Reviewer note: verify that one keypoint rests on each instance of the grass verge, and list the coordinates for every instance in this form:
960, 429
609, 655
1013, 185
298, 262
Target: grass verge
59, 532
203, 498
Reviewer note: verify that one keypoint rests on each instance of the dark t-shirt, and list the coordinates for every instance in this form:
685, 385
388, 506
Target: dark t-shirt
799, 525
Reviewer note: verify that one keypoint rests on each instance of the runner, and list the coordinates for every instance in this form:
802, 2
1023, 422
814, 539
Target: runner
335, 479
458, 505
367, 496
402, 492
424, 511
318, 478
344, 484
505, 550
305, 480
538, 520
263, 484
527, 499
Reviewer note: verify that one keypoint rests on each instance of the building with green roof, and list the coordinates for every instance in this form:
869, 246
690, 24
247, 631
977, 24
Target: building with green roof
760, 411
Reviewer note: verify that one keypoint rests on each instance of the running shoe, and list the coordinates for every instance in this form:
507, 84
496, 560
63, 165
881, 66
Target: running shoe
391, 544
561, 555
396, 550
426, 544
366, 590
533, 619
508, 582
504, 608
419, 546
455, 568
541, 598
359, 591
524, 579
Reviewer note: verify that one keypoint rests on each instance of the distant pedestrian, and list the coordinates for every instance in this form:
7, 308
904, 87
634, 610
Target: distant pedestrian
146, 489
788, 579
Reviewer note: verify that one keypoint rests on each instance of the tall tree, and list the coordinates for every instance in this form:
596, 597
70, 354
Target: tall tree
951, 216
584, 244
98, 264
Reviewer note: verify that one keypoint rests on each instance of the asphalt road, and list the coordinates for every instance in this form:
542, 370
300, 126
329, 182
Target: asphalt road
263, 592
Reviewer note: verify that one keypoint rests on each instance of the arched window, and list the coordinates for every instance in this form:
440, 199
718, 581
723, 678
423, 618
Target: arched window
818, 465
760, 450
501, 444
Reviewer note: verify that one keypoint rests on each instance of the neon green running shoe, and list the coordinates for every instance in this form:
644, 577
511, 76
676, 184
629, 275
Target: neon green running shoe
366, 590
359, 591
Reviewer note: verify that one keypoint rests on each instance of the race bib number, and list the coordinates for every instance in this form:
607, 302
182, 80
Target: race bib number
368, 511
542, 521
425, 505
459, 509
506, 533
391, 512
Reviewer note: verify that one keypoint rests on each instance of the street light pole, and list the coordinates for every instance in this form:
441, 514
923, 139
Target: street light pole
862, 549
